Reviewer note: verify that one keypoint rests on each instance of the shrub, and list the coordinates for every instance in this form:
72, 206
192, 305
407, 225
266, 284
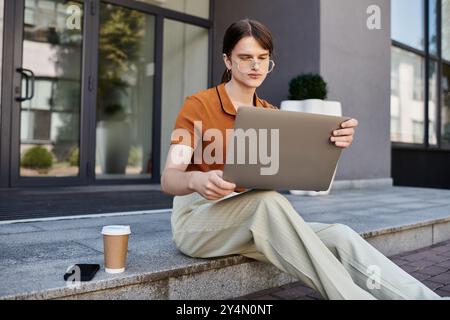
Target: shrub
37, 158
135, 156
74, 157
307, 86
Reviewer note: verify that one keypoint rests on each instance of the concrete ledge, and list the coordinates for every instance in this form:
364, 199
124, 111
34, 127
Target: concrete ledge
392, 241
361, 184
35, 254
232, 276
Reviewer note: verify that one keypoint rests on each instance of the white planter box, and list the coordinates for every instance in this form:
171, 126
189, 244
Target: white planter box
113, 146
331, 108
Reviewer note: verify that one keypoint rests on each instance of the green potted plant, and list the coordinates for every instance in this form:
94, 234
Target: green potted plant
308, 93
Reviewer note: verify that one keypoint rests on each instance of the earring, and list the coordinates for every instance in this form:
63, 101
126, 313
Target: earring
228, 74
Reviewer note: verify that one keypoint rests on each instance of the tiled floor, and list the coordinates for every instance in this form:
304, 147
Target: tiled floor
430, 265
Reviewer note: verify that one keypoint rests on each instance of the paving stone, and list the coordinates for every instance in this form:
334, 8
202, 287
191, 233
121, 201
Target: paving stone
443, 278
400, 262
433, 270
431, 284
445, 254
306, 298
420, 276
416, 256
422, 263
445, 264
315, 295
264, 292
441, 248
445, 288
267, 297
437, 258
442, 293
294, 292
408, 268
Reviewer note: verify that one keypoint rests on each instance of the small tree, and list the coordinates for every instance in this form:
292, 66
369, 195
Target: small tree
308, 86
37, 158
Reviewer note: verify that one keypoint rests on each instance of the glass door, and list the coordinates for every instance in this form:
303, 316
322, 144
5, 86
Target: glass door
47, 91
87, 90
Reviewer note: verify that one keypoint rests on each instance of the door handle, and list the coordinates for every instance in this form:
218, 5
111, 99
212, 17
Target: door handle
29, 84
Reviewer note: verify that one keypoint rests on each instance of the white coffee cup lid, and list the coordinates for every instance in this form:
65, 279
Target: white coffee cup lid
116, 230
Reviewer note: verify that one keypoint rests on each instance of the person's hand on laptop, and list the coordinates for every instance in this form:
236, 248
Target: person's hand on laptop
211, 185
344, 137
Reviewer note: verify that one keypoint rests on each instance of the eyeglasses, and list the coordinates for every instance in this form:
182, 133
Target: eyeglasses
247, 64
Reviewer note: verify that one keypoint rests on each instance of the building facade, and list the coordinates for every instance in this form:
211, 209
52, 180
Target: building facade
420, 93
90, 89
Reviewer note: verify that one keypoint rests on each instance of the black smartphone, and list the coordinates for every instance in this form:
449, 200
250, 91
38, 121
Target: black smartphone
85, 270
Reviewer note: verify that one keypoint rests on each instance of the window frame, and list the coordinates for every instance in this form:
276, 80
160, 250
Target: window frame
428, 58
161, 14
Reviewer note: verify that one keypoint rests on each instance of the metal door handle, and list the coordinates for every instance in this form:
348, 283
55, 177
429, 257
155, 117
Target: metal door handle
29, 87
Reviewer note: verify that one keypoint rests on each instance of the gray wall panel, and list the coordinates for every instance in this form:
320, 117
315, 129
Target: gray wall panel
295, 27
356, 63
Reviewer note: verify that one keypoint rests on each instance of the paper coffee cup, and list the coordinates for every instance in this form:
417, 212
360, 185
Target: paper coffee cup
115, 247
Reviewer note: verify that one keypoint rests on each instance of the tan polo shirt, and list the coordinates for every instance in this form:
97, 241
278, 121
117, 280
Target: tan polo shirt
214, 109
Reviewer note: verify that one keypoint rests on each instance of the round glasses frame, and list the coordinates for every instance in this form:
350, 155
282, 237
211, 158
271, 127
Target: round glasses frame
251, 64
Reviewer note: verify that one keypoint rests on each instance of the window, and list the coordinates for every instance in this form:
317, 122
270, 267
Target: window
415, 65
407, 103
198, 8
185, 71
432, 102
51, 119
432, 25
125, 93
407, 22
445, 134
446, 29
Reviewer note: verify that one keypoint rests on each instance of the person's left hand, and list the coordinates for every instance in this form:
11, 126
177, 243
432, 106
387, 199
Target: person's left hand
344, 137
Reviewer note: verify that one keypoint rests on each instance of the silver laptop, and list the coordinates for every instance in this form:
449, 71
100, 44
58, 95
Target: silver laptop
278, 149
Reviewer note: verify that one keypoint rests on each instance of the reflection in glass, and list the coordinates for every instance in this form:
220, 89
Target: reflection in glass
407, 23
407, 97
125, 93
198, 8
50, 122
446, 29
433, 15
185, 71
432, 103
445, 104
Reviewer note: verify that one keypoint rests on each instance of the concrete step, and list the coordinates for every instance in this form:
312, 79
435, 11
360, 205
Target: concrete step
35, 254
